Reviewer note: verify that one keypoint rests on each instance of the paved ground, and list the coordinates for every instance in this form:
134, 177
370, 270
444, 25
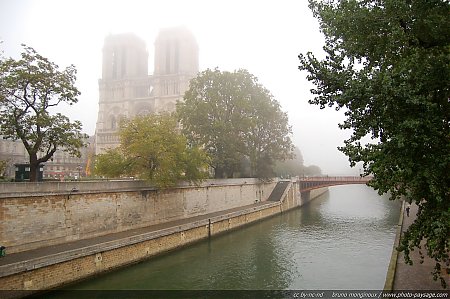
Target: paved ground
418, 276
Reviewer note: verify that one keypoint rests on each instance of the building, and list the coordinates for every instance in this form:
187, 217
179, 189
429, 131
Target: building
60, 167
126, 89
63, 166
12, 152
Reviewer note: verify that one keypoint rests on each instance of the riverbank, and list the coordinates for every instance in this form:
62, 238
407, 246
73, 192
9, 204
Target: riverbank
26, 272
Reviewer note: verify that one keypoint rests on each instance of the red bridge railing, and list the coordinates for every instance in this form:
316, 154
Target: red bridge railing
310, 183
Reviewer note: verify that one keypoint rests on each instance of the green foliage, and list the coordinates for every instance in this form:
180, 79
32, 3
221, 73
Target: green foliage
387, 63
152, 148
29, 88
295, 167
111, 164
233, 117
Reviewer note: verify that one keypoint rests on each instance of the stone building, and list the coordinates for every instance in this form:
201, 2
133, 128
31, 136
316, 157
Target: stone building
126, 89
61, 166
12, 152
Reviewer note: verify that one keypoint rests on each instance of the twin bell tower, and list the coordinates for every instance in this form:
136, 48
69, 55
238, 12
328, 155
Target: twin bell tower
126, 89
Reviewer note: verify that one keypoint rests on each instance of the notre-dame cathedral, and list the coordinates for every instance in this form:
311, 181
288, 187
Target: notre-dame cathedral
126, 89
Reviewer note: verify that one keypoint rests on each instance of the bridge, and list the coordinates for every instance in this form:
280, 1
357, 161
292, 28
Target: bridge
311, 183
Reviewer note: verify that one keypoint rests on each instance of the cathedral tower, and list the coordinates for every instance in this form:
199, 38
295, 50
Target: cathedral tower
124, 56
176, 62
126, 89
124, 76
176, 52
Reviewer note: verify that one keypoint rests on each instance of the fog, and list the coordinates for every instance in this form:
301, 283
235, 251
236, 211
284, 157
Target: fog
264, 37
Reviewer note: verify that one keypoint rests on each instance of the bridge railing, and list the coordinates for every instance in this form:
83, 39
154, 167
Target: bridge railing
335, 179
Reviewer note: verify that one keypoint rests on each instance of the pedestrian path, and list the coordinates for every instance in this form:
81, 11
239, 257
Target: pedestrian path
418, 276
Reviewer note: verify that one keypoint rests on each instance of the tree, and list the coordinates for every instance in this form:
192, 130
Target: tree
233, 117
387, 63
295, 166
290, 167
152, 148
112, 164
29, 89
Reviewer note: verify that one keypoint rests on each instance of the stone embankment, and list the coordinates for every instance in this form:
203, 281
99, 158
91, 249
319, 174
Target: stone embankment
69, 235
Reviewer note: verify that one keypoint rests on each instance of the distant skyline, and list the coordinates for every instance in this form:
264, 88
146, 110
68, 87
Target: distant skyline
264, 37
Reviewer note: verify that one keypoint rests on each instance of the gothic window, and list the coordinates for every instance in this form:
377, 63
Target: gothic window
141, 91
114, 63
124, 60
163, 88
176, 56
167, 57
113, 122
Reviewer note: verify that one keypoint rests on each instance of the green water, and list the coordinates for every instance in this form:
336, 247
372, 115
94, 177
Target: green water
341, 240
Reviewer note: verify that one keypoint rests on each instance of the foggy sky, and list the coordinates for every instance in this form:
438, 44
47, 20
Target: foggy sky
264, 37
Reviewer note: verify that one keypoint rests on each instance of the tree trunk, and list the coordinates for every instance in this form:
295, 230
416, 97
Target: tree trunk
219, 172
34, 167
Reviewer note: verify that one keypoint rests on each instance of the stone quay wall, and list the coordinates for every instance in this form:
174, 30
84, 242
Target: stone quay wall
34, 217
30, 276
57, 273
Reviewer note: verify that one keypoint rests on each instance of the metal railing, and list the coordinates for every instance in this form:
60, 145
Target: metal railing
310, 183
335, 179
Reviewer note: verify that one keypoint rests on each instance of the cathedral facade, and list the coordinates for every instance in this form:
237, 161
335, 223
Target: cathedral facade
126, 89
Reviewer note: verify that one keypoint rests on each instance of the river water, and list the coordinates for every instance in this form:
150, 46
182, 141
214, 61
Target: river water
340, 240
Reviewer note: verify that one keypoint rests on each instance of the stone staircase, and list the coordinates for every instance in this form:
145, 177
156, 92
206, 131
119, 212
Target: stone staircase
278, 191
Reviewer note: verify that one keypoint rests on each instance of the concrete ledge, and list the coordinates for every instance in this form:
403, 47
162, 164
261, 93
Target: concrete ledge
266, 205
390, 276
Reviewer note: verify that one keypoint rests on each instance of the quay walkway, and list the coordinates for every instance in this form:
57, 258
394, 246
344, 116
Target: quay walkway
417, 277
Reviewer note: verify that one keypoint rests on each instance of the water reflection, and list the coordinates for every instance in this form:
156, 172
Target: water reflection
342, 240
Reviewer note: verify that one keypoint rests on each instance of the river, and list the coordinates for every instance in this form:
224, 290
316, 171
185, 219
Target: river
340, 240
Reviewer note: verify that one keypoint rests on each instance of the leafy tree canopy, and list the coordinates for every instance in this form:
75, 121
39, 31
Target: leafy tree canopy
295, 167
152, 148
29, 88
387, 63
234, 117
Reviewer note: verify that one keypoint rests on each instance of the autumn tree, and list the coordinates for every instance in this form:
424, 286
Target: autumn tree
233, 117
152, 148
29, 88
387, 64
